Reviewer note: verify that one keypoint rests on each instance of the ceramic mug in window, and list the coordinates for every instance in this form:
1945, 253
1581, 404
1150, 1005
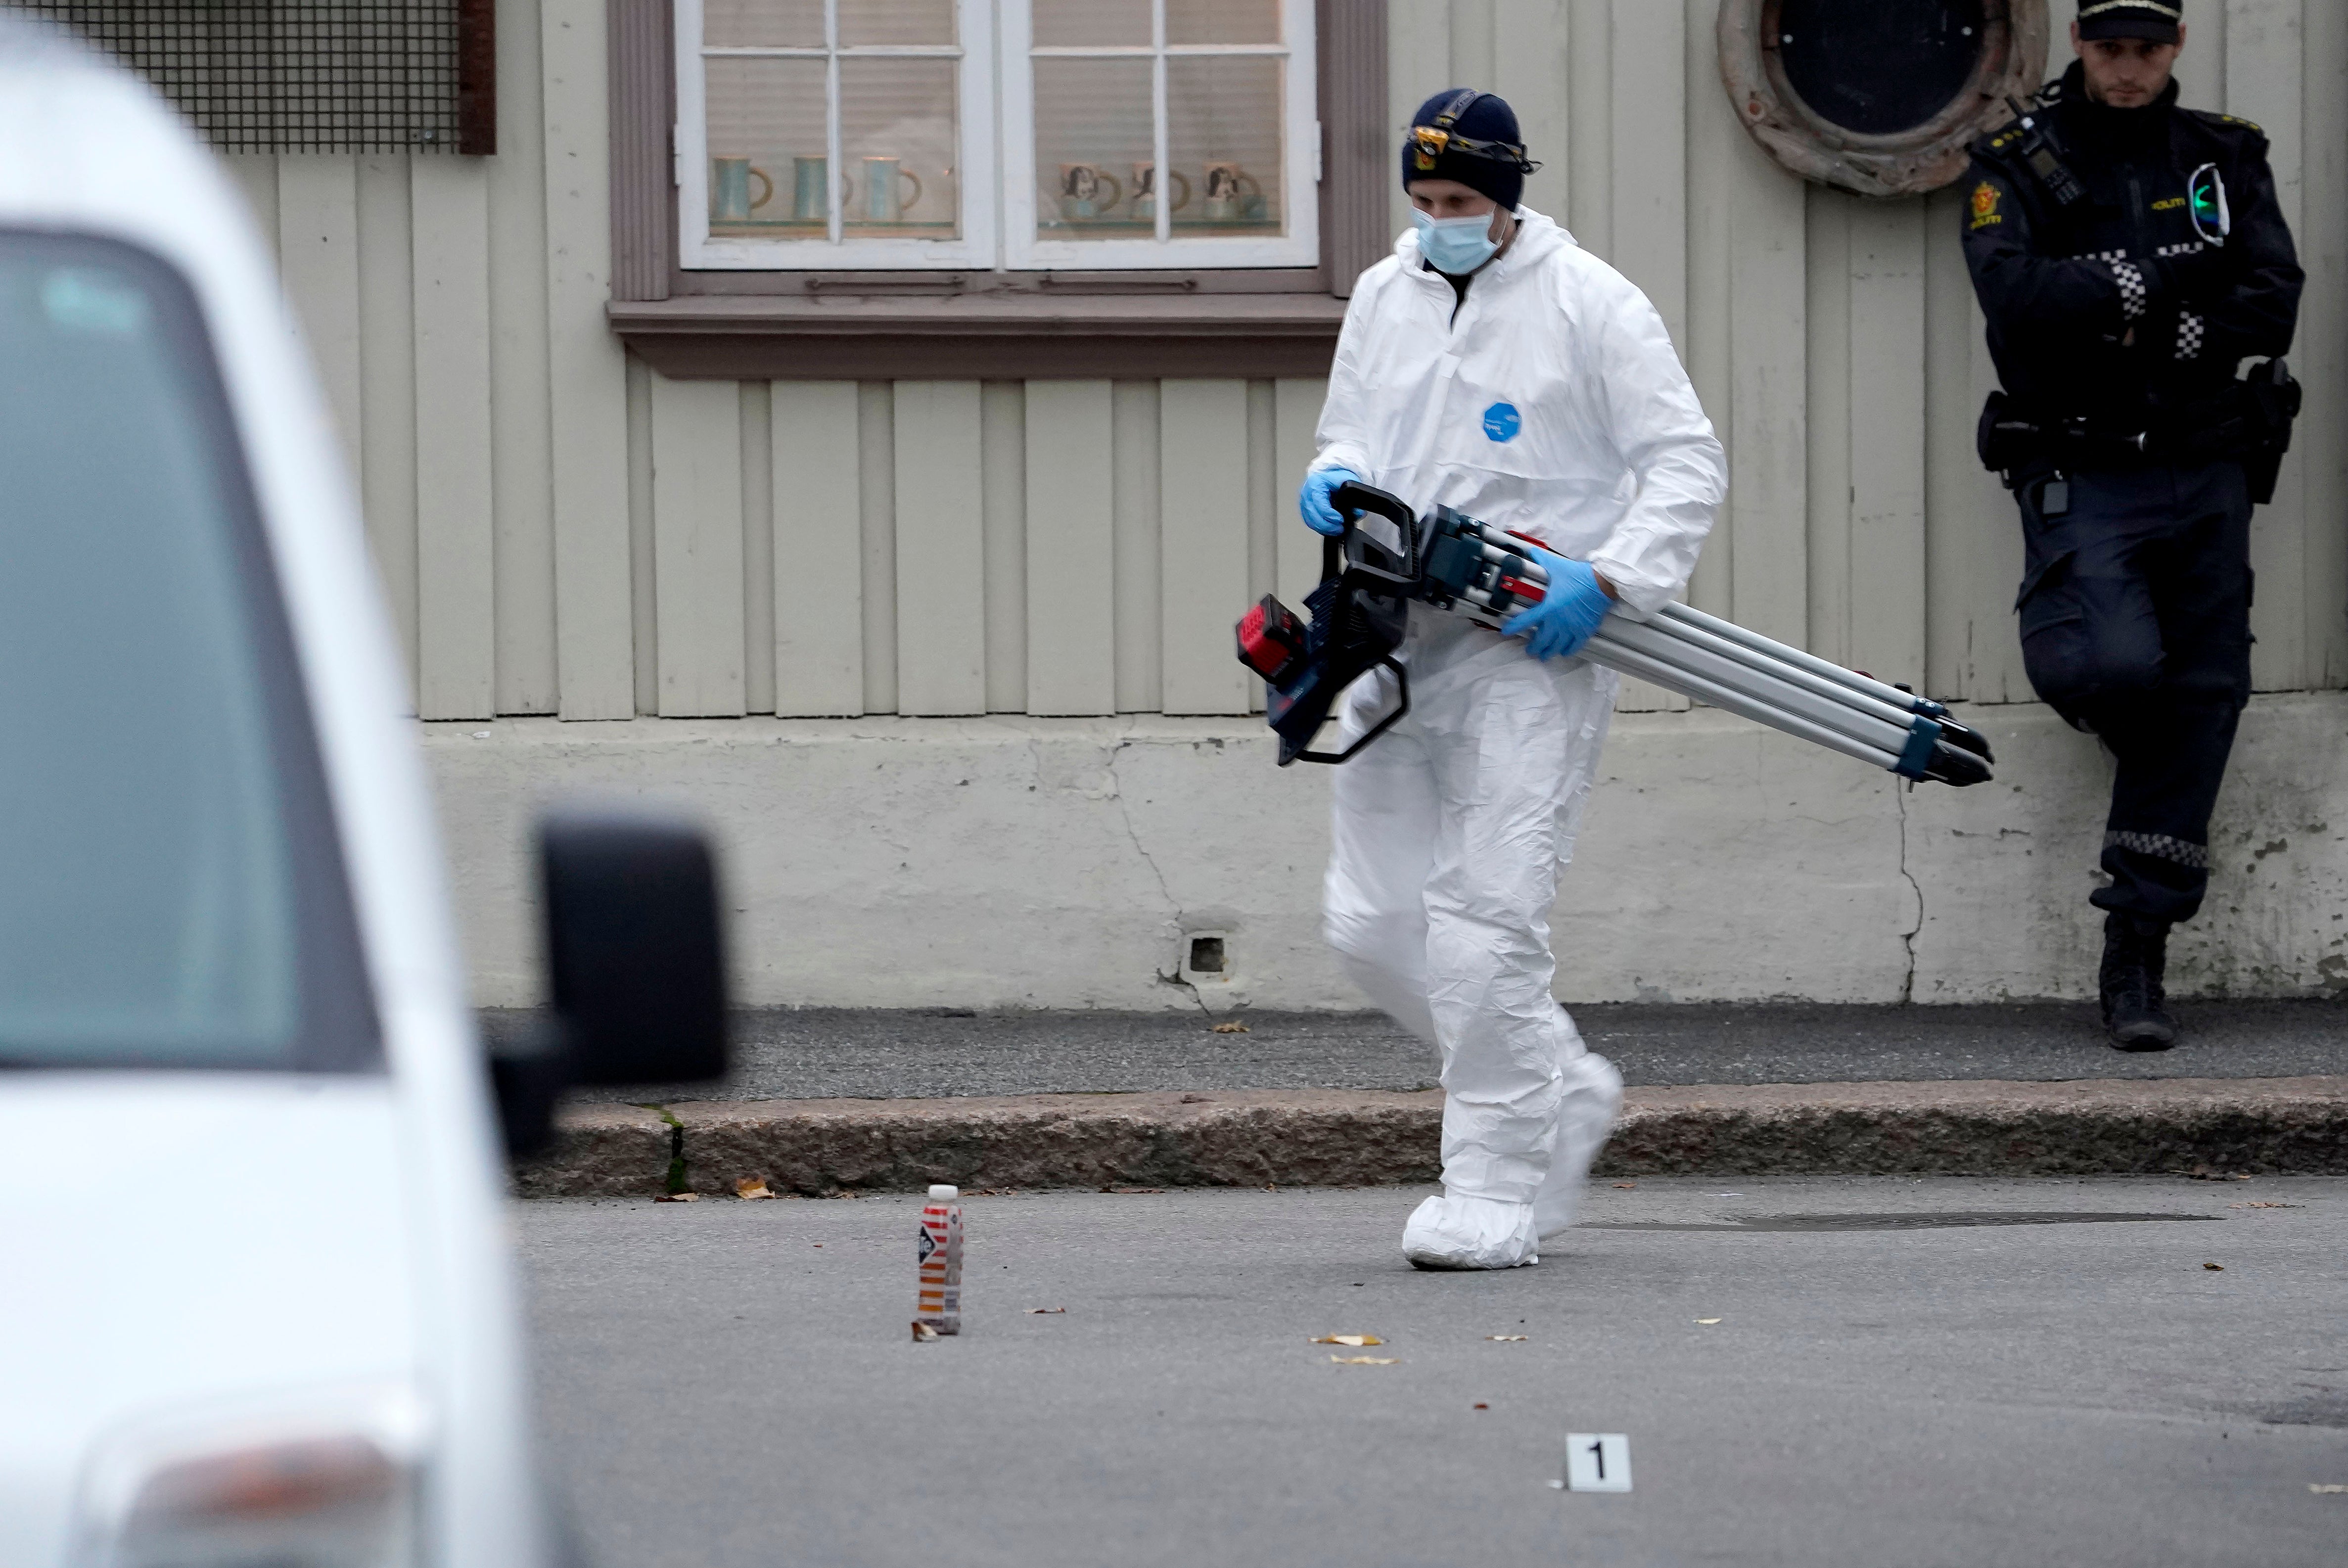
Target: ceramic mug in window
883, 193
1145, 192
1231, 194
809, 199
1088, 191
730, 200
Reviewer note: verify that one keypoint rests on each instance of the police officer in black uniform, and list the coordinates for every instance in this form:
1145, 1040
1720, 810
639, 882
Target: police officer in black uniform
2130, 257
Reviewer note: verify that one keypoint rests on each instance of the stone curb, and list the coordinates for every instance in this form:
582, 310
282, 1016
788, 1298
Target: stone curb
1342, 1137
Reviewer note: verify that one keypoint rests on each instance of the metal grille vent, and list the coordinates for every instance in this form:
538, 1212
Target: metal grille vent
294, 76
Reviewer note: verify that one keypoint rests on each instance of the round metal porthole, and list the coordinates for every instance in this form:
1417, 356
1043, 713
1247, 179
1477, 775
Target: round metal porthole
1879, 97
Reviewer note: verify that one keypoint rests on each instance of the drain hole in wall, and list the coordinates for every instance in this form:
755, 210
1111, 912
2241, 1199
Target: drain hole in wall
1206, 955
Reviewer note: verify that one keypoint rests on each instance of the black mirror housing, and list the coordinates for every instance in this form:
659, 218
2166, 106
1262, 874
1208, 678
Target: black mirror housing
635, 949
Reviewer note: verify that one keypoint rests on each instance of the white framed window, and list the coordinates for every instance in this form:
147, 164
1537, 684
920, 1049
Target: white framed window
819, 134
835, 133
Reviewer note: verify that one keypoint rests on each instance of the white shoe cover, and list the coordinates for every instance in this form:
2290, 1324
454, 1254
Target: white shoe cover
1455, 1232
1587, 1116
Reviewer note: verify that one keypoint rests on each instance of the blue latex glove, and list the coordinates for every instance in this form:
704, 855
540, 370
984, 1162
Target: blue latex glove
1313, 499
1569, 612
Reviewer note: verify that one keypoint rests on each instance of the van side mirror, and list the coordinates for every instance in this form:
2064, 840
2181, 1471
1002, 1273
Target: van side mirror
636, 958
635, 950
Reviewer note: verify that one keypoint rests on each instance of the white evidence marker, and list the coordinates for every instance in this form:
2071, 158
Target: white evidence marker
1597, 1462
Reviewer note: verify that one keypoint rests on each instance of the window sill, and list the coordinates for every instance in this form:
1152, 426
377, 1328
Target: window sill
738, 338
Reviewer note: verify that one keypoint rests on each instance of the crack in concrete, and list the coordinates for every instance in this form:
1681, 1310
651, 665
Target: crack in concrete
1165, 890
1899, 792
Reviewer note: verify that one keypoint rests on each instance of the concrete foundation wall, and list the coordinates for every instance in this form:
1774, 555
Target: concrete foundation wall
1038, 862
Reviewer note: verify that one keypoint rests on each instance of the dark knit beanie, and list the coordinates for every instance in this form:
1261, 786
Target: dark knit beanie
1484, 116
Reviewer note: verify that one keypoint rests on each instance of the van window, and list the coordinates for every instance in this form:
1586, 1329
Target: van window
171, 892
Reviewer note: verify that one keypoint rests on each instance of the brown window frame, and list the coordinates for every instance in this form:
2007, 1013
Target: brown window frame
884, 325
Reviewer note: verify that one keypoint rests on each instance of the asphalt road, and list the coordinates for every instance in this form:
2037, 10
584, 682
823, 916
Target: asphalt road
820, 1053
1891, 1380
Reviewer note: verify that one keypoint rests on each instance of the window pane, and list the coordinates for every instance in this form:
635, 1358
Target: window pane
896, 22
1223, 118
161, 901
1222, 21
1094, 139
766, 146
897, 135
1069, 24
762, 23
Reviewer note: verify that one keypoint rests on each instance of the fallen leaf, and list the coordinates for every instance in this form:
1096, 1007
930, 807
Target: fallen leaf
751, 1187
1482, 1406
1194, 1099
2214, 1268
2325, 1487
678, 1198
2266, 1203
1232, 1030
1043, 1311
1366, 1360
923, 1333
1355, 1340
1137, 1188
1508, 1339
1624, 1186
1708, 1320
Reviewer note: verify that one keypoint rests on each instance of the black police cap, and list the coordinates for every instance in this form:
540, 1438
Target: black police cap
2155, 21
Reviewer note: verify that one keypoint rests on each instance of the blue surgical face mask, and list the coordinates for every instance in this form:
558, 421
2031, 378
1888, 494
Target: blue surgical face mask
1455, 245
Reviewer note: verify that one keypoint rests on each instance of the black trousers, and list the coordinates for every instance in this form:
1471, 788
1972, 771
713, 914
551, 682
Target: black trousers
2136, 624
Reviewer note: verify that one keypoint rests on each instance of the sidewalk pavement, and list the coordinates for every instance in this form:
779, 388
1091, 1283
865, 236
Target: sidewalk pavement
825, 1102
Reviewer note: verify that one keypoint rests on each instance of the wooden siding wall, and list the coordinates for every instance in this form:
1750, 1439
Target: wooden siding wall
561, 532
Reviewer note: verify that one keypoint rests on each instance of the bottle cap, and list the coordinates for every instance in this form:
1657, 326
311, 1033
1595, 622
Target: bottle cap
941, 1190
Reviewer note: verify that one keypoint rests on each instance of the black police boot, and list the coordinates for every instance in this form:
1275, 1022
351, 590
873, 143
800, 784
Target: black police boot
2136, 955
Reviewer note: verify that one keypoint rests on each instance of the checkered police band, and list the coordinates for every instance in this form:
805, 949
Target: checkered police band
2134, 294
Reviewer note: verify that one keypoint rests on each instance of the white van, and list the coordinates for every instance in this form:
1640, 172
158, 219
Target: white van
255, 1301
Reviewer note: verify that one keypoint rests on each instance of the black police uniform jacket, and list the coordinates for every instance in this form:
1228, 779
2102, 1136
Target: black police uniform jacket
2113, 309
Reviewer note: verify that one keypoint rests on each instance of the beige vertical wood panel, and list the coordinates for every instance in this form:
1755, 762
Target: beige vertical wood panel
1072, 599
1590, 149
876, 499
1647, 171
1974, 536
2265, 49
255, 174
1473, 43
1202, 543
1535, 56
1828, 370
587, 396
318, 255
1262, 521
818, 550
1134, 544
940, 549
1295, 410
2321, 359
643, 597
1767, 501
521, 412
454, 526
1886, 399
757, 413
1003, 443
388, 385
2200, 68
1711, 175
697, 439
1418, 65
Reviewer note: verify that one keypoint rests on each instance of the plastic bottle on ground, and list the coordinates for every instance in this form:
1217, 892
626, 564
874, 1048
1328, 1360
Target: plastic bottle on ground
938, 1307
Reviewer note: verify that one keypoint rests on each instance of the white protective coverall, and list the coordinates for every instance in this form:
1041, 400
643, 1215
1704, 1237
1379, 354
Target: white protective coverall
1554, 404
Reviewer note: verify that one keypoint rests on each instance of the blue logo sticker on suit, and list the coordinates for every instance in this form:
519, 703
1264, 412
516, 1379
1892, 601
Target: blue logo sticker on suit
1502, 421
